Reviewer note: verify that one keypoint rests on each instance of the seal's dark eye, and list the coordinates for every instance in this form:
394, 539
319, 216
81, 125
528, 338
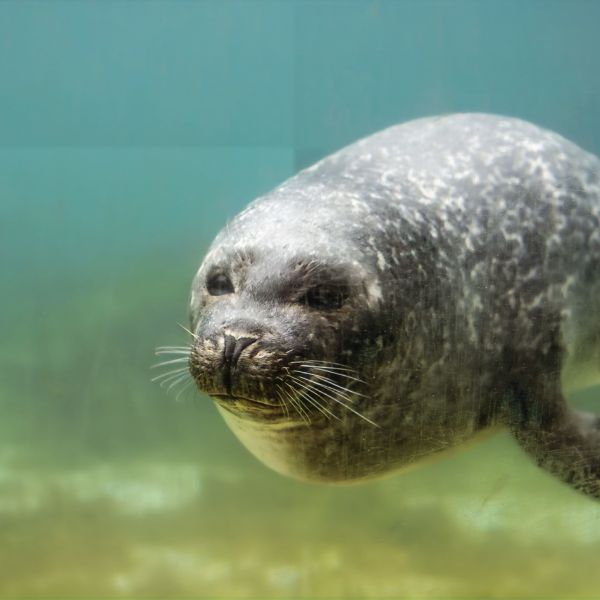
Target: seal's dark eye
326, 296
219, 284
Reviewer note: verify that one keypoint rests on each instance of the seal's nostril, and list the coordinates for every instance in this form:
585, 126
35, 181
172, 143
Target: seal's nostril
234, 347
242, 343
228, 348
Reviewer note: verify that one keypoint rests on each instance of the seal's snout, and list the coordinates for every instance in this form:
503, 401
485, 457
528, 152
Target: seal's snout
232, 350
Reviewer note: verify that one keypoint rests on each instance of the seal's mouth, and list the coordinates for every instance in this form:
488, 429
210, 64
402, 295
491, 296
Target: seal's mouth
235, 398
267, 385
250, 408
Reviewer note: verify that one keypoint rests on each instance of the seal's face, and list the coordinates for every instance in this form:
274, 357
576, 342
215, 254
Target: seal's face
263, 320
281, 344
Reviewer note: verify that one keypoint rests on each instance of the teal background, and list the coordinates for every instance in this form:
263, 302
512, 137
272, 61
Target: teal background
130, 131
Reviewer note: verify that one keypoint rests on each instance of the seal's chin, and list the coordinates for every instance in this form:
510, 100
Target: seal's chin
275, 443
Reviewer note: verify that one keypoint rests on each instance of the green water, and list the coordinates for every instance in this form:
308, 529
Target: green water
129, 133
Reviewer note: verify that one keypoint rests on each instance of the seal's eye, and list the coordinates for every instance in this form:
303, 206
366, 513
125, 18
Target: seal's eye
219, 284
326, 296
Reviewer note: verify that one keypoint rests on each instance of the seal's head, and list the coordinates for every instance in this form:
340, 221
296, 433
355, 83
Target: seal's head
289, 332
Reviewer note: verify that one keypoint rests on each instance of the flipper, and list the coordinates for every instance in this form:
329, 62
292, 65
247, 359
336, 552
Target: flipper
565, 442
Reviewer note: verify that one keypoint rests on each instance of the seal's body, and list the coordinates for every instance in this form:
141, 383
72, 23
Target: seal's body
421, 286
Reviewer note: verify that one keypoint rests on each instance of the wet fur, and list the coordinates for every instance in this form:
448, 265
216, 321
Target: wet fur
468, 247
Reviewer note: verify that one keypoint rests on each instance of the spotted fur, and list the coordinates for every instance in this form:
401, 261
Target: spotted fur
470, 246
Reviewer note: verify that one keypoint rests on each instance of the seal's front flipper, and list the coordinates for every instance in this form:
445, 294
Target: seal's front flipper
567, 444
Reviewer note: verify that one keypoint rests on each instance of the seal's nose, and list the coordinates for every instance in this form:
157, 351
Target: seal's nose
232, 349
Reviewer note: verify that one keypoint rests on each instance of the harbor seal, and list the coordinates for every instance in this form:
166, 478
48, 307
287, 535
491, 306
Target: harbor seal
420, 287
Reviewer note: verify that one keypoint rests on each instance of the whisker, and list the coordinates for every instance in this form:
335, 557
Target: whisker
328, 387
293, 403
319, 407
313, 399
332, 372
188, 331
282, 401
308, 394
170, 362
298, 408
173, 347
174, 352
167, 382
169, 374
183, 389
325, 363
332, 383
352, 410
177, 381
297, 404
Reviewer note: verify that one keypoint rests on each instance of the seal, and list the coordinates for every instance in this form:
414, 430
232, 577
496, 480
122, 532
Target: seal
410, 292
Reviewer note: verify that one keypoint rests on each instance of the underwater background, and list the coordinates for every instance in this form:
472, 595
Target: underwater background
130, 131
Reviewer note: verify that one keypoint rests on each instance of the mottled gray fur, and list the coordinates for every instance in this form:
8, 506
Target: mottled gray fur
466, 252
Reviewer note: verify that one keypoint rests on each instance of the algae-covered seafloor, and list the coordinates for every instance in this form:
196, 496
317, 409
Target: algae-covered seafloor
109, 488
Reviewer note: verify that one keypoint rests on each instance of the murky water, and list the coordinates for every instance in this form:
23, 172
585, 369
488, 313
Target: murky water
109, 488
130, 135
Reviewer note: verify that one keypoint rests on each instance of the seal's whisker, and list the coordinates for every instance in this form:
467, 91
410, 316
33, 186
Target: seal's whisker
325, 363
331, 383
172, 380
188, 331
183, 389
298, 396
170, 362
319, 407
332, 372
282, 401
177, 381
306, 395
309, 394
296, 407
336, 398
288, 395
165, 378
322, 386
186, 347
169, 373
335, 370
325, 386
179, 367
297, 404
173, 352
